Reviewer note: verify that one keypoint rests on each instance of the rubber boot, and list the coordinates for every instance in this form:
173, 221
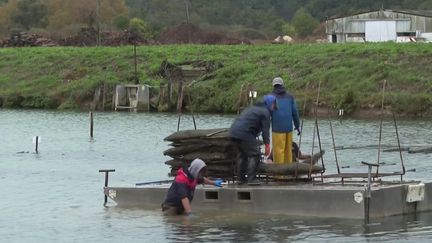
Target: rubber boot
242, 165
252, 171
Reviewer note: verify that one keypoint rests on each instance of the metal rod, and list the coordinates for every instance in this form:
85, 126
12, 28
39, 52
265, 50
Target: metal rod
334, 148
191, 110
381, 124
153, 182
301, 129
178, 122
106, 182
368, 194
91, 124
302, 121
313, 145
319, 142
315, 127
399, 146
106, 185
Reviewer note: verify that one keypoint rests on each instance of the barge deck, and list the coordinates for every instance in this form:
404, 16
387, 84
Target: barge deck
348, 200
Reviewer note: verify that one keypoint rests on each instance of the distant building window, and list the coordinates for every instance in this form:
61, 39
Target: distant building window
334, 38
352, 35
406, 34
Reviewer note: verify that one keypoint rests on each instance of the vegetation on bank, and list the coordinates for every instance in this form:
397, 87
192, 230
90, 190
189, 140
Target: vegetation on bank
351, 75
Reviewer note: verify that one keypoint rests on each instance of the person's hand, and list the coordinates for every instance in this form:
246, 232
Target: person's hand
298, 131
191, 215
267, 150
218, 182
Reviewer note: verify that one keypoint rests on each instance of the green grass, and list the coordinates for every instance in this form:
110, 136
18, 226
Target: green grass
65, 77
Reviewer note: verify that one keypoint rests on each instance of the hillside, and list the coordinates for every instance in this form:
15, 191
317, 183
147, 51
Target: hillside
241, 19
351, 74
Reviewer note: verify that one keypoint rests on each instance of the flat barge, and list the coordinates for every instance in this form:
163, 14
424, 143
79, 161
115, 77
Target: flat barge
308, 199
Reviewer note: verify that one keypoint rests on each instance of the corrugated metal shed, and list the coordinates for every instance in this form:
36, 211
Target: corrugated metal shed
382, 25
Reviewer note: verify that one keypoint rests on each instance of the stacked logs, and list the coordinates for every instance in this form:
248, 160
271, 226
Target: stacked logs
213, 146
220, 154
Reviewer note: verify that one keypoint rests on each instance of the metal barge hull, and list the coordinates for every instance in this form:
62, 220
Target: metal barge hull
297, 199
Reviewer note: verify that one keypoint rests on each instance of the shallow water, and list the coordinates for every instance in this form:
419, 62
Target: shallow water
56, 195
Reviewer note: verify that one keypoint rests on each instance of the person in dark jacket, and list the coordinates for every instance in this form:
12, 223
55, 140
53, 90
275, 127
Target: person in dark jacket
283, 116
244, 132
180, 194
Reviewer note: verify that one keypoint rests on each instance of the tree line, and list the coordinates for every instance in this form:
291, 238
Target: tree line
254, 19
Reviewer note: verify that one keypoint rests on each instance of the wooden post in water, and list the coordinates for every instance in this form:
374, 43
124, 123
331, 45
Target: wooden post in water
91, 124
37, 144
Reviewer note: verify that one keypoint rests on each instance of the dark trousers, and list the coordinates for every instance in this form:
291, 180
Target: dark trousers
169, 210
249, 159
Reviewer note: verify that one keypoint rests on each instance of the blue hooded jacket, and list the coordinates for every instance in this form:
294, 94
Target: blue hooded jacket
251, 122
285, 112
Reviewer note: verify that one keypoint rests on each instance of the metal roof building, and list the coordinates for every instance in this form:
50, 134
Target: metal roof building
380, 26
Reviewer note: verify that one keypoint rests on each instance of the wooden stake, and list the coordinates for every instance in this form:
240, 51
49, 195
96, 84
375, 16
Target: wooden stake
37, 144
91, 124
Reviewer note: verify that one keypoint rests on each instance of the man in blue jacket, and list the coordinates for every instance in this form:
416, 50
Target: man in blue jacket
283, 116
244, 132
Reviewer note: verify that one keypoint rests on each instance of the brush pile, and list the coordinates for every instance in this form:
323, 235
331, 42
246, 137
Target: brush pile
24, 39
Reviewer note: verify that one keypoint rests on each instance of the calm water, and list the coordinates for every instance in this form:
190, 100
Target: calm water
56, 195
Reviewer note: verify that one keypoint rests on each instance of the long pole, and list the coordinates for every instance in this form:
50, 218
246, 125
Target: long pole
399, 146
319, 143
315, 127
301, 129
381, 124
334, 148
302, 121
368, 195
178, 122
191, 110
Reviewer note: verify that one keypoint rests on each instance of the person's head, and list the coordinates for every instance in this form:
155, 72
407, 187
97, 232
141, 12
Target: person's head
198, 168
278, 81
270, 102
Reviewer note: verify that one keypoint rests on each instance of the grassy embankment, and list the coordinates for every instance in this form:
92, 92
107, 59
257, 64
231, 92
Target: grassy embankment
351, 74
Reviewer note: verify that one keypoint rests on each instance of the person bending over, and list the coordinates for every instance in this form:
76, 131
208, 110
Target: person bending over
181, 193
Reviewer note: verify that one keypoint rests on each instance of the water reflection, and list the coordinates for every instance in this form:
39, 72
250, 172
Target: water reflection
270, 228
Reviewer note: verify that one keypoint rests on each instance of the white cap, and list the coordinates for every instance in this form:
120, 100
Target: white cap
277, 81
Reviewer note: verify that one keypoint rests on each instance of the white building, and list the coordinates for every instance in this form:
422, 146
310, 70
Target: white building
380, 26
